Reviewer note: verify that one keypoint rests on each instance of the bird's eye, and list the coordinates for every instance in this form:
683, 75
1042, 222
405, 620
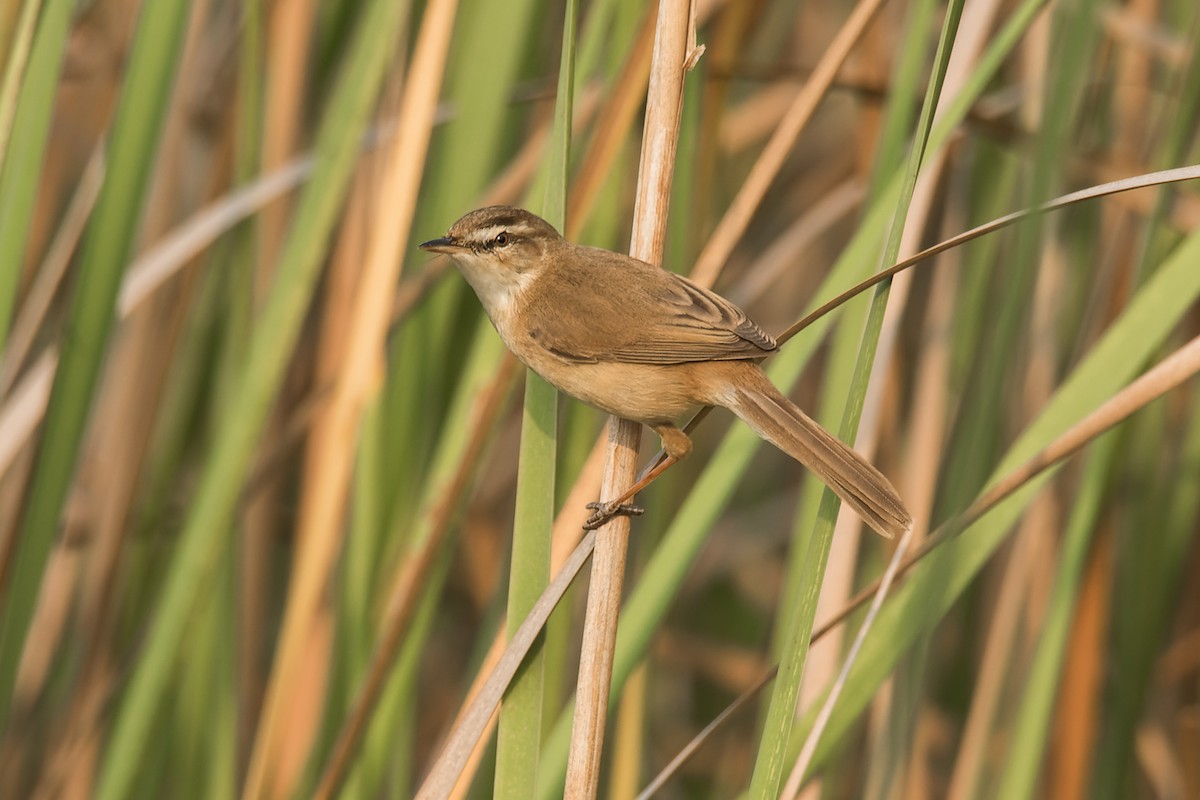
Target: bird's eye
501, 239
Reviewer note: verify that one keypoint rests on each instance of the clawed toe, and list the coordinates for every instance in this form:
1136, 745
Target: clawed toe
606, 511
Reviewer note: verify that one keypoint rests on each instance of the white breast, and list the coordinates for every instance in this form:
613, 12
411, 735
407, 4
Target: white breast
497, 291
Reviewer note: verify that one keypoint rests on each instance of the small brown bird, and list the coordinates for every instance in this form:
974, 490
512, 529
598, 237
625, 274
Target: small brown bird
644, 344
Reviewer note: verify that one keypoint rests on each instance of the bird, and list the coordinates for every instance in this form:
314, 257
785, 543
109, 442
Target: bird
644, 344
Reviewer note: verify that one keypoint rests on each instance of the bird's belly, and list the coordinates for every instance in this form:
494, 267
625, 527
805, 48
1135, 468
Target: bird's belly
646, 393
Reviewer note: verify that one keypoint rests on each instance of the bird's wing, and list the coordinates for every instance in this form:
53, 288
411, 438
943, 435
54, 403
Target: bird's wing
690, 323
650, 318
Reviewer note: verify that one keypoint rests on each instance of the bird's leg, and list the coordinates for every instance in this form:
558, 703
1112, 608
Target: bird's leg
676, 444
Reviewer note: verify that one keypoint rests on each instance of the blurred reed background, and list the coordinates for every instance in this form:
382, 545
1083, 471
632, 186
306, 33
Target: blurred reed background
253, 444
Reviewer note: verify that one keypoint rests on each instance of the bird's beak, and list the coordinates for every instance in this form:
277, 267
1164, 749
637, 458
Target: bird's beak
442, 245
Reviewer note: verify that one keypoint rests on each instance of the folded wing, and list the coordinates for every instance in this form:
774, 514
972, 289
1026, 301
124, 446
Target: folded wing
653, 318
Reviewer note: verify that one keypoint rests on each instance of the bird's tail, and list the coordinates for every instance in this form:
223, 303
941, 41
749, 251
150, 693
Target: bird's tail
849, 475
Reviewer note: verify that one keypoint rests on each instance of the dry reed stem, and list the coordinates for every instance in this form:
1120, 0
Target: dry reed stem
733, 225
334, 433
345, 270
489, 680
463, 739
655, 173
490, 660
351, 261
286, 39
22, 411
289, 30
616, 118
600, 622
1077, 713
656, 170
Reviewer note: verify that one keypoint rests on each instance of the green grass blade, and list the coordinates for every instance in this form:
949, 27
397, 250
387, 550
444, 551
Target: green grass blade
1151, 565
25, 146
519, 736
157, 611
781, 714
107, 247
1032, 726
933, 588
14, 68
207, 531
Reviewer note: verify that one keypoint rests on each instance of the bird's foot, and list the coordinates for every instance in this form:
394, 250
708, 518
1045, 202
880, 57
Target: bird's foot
606, 511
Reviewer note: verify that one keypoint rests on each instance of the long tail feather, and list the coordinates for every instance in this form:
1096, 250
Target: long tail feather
849, 475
